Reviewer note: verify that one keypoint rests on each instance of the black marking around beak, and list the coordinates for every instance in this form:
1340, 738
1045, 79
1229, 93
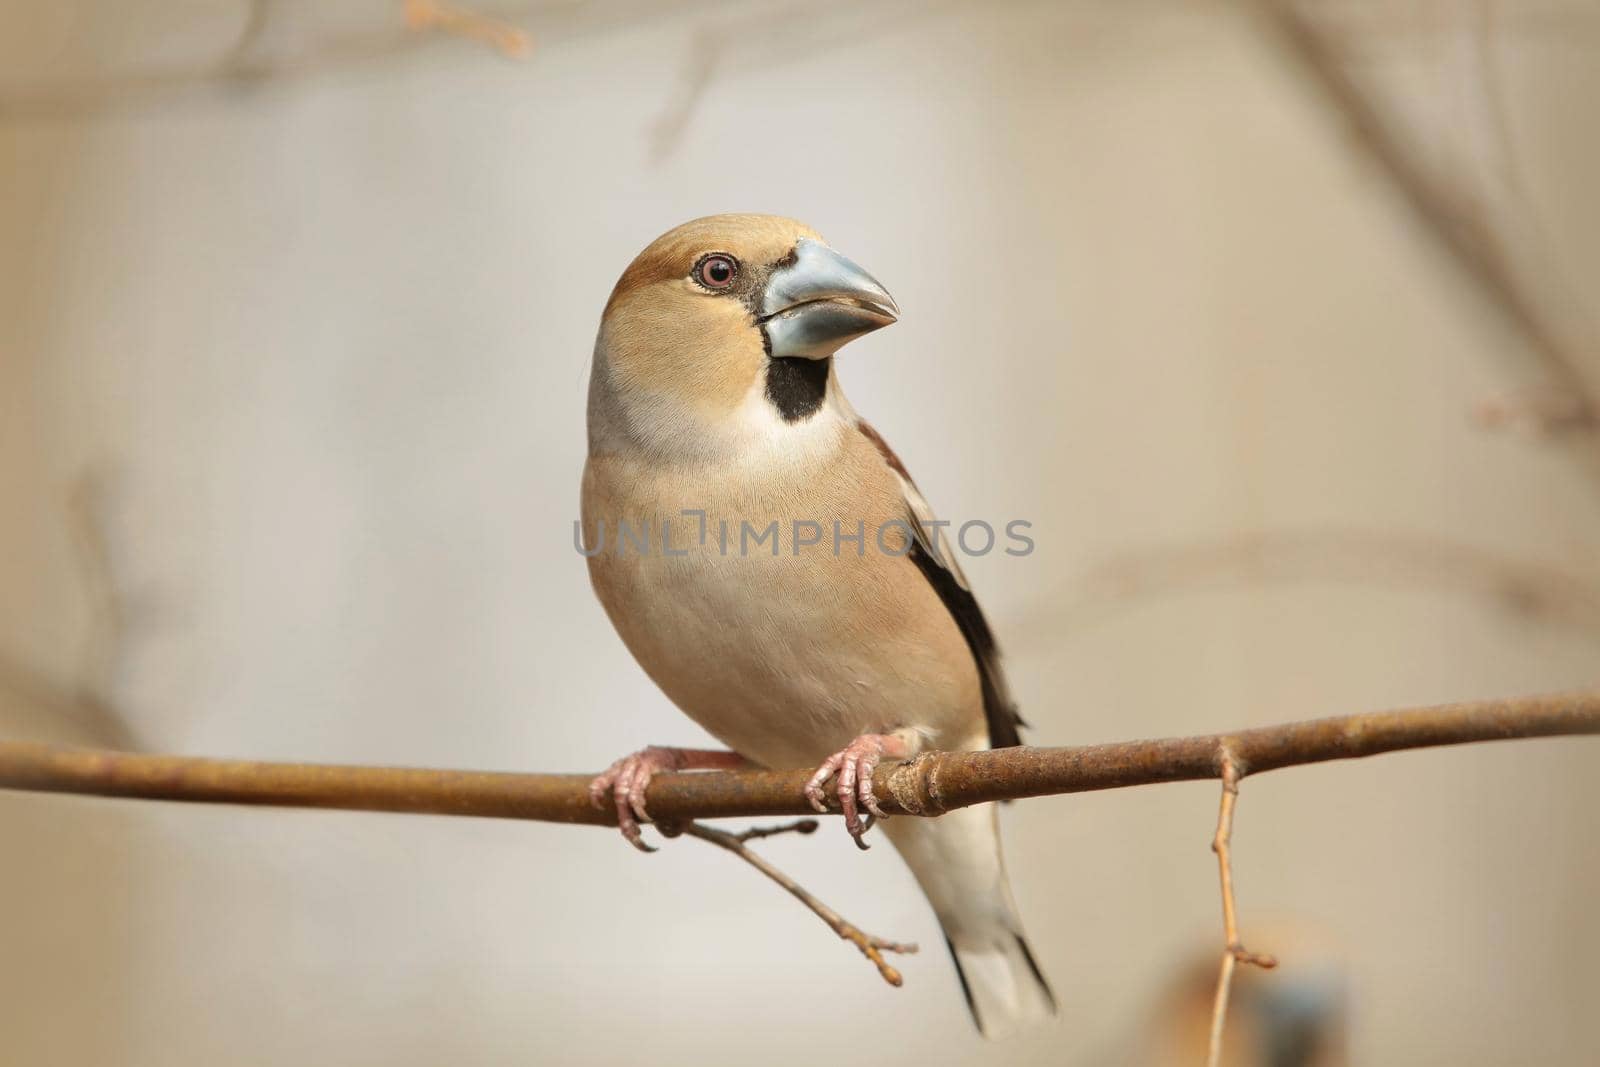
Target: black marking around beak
797, 387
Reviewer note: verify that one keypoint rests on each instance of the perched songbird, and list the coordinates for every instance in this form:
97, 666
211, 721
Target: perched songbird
769, 562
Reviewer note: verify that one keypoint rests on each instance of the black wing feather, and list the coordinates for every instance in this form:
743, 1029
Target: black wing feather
963, 607
1001, 713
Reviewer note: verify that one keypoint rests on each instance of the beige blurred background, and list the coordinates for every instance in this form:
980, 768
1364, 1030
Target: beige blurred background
295, 313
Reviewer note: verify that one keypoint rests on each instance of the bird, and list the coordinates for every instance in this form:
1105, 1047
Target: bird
771, 565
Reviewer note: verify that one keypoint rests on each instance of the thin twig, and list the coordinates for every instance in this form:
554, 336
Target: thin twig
1233, 952
799, 826
929, 785
871, 947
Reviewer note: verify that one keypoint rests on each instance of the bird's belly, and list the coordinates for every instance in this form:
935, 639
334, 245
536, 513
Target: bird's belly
785, 658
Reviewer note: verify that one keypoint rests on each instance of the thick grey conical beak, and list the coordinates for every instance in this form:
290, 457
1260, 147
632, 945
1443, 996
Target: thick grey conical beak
814, 306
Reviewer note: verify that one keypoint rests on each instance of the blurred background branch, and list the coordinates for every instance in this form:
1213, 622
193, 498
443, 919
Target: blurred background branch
1486, 227
1380, 559
253, 41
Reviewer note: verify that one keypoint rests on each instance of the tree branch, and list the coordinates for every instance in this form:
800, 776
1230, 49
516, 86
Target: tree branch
929, 785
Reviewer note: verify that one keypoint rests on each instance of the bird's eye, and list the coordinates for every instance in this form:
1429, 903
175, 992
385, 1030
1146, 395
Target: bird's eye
716, 271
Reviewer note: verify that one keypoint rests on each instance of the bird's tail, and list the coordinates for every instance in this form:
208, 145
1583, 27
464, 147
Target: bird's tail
956, 859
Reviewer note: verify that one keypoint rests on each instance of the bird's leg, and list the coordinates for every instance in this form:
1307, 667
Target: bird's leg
627, 778
853, 766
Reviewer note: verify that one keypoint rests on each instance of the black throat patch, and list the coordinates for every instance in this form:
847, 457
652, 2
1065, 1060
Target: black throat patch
797, 386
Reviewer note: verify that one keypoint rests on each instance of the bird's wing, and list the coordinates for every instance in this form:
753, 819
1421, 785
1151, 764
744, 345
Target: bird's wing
938, 565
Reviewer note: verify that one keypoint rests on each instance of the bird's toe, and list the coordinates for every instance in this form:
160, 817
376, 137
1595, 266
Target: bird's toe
849, 773
814, 786
626, 780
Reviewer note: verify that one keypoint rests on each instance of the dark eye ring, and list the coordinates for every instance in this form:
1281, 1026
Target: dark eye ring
716, 271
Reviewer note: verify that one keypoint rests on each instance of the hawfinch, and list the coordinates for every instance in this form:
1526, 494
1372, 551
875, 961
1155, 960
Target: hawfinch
771, 565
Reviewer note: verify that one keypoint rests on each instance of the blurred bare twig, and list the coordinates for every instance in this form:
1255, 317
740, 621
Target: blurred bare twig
1233, 951
1391, 560
270, 44
1501, 258
511, 41
871, 947
38, 705
765, 38
1537, 413
116, 609
81, 707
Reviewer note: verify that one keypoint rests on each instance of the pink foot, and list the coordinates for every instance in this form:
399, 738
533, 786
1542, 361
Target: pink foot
854, 765
627, 778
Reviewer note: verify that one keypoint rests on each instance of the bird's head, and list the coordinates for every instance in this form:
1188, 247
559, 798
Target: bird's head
727, 325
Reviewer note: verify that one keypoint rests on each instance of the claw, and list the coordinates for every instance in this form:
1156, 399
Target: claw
854, 765
628, 795
626, 780
848, 773
636, 802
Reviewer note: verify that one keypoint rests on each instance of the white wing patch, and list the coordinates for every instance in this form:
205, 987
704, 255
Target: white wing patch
927, 531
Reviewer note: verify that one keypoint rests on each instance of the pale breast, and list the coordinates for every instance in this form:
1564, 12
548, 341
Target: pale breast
783, 649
